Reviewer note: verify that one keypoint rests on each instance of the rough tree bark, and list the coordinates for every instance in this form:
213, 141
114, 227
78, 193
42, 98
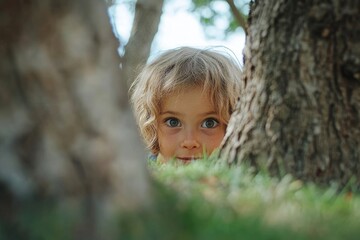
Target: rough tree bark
63, 135
299, 111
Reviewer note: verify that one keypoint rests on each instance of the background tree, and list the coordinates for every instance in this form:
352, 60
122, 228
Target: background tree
145, 26
147, 16
64, 137
136, 51
299, 111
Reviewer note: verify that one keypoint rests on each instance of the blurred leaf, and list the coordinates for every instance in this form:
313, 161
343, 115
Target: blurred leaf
210, 14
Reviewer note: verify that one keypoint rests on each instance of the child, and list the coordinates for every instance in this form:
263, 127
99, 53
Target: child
183, 100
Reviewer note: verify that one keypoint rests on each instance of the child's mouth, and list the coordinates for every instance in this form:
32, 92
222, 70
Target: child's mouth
187, 159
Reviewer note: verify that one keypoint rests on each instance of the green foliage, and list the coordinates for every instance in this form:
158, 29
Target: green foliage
201, 3
235, 203
232, 27
216, 16
207, 200
38, 221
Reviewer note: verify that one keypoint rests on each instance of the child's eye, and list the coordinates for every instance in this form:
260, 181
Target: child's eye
172, 122
210, 123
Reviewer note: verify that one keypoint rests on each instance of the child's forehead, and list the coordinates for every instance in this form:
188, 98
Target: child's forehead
188, 97
180, 91
192, 99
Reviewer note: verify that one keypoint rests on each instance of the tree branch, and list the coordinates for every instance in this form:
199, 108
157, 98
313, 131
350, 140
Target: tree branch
240, 18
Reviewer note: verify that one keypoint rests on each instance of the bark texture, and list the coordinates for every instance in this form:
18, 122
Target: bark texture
63, 135
299, 112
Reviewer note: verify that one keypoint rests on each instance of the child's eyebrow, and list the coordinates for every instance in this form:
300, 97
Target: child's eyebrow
209, 113
179, 114
170, 112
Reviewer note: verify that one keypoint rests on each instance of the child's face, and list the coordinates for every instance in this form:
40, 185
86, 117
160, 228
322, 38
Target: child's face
188, 125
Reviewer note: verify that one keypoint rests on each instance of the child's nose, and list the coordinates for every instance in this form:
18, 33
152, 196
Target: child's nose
190, 141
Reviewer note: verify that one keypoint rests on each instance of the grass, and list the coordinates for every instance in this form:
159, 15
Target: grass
234, 203
205, 200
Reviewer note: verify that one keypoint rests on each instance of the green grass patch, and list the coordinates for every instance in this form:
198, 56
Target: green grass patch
204, 200
225, 202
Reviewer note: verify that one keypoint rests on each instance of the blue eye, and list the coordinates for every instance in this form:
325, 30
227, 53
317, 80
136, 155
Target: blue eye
210, 123
172, 122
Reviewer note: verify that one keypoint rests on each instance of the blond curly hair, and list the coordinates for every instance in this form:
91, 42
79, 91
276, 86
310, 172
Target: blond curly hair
216, 72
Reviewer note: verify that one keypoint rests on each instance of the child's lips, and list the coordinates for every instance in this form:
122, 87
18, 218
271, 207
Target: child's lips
186, 159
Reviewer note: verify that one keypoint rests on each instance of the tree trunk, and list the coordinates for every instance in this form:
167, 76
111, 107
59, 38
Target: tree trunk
63, 135
299, 112
145, 26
